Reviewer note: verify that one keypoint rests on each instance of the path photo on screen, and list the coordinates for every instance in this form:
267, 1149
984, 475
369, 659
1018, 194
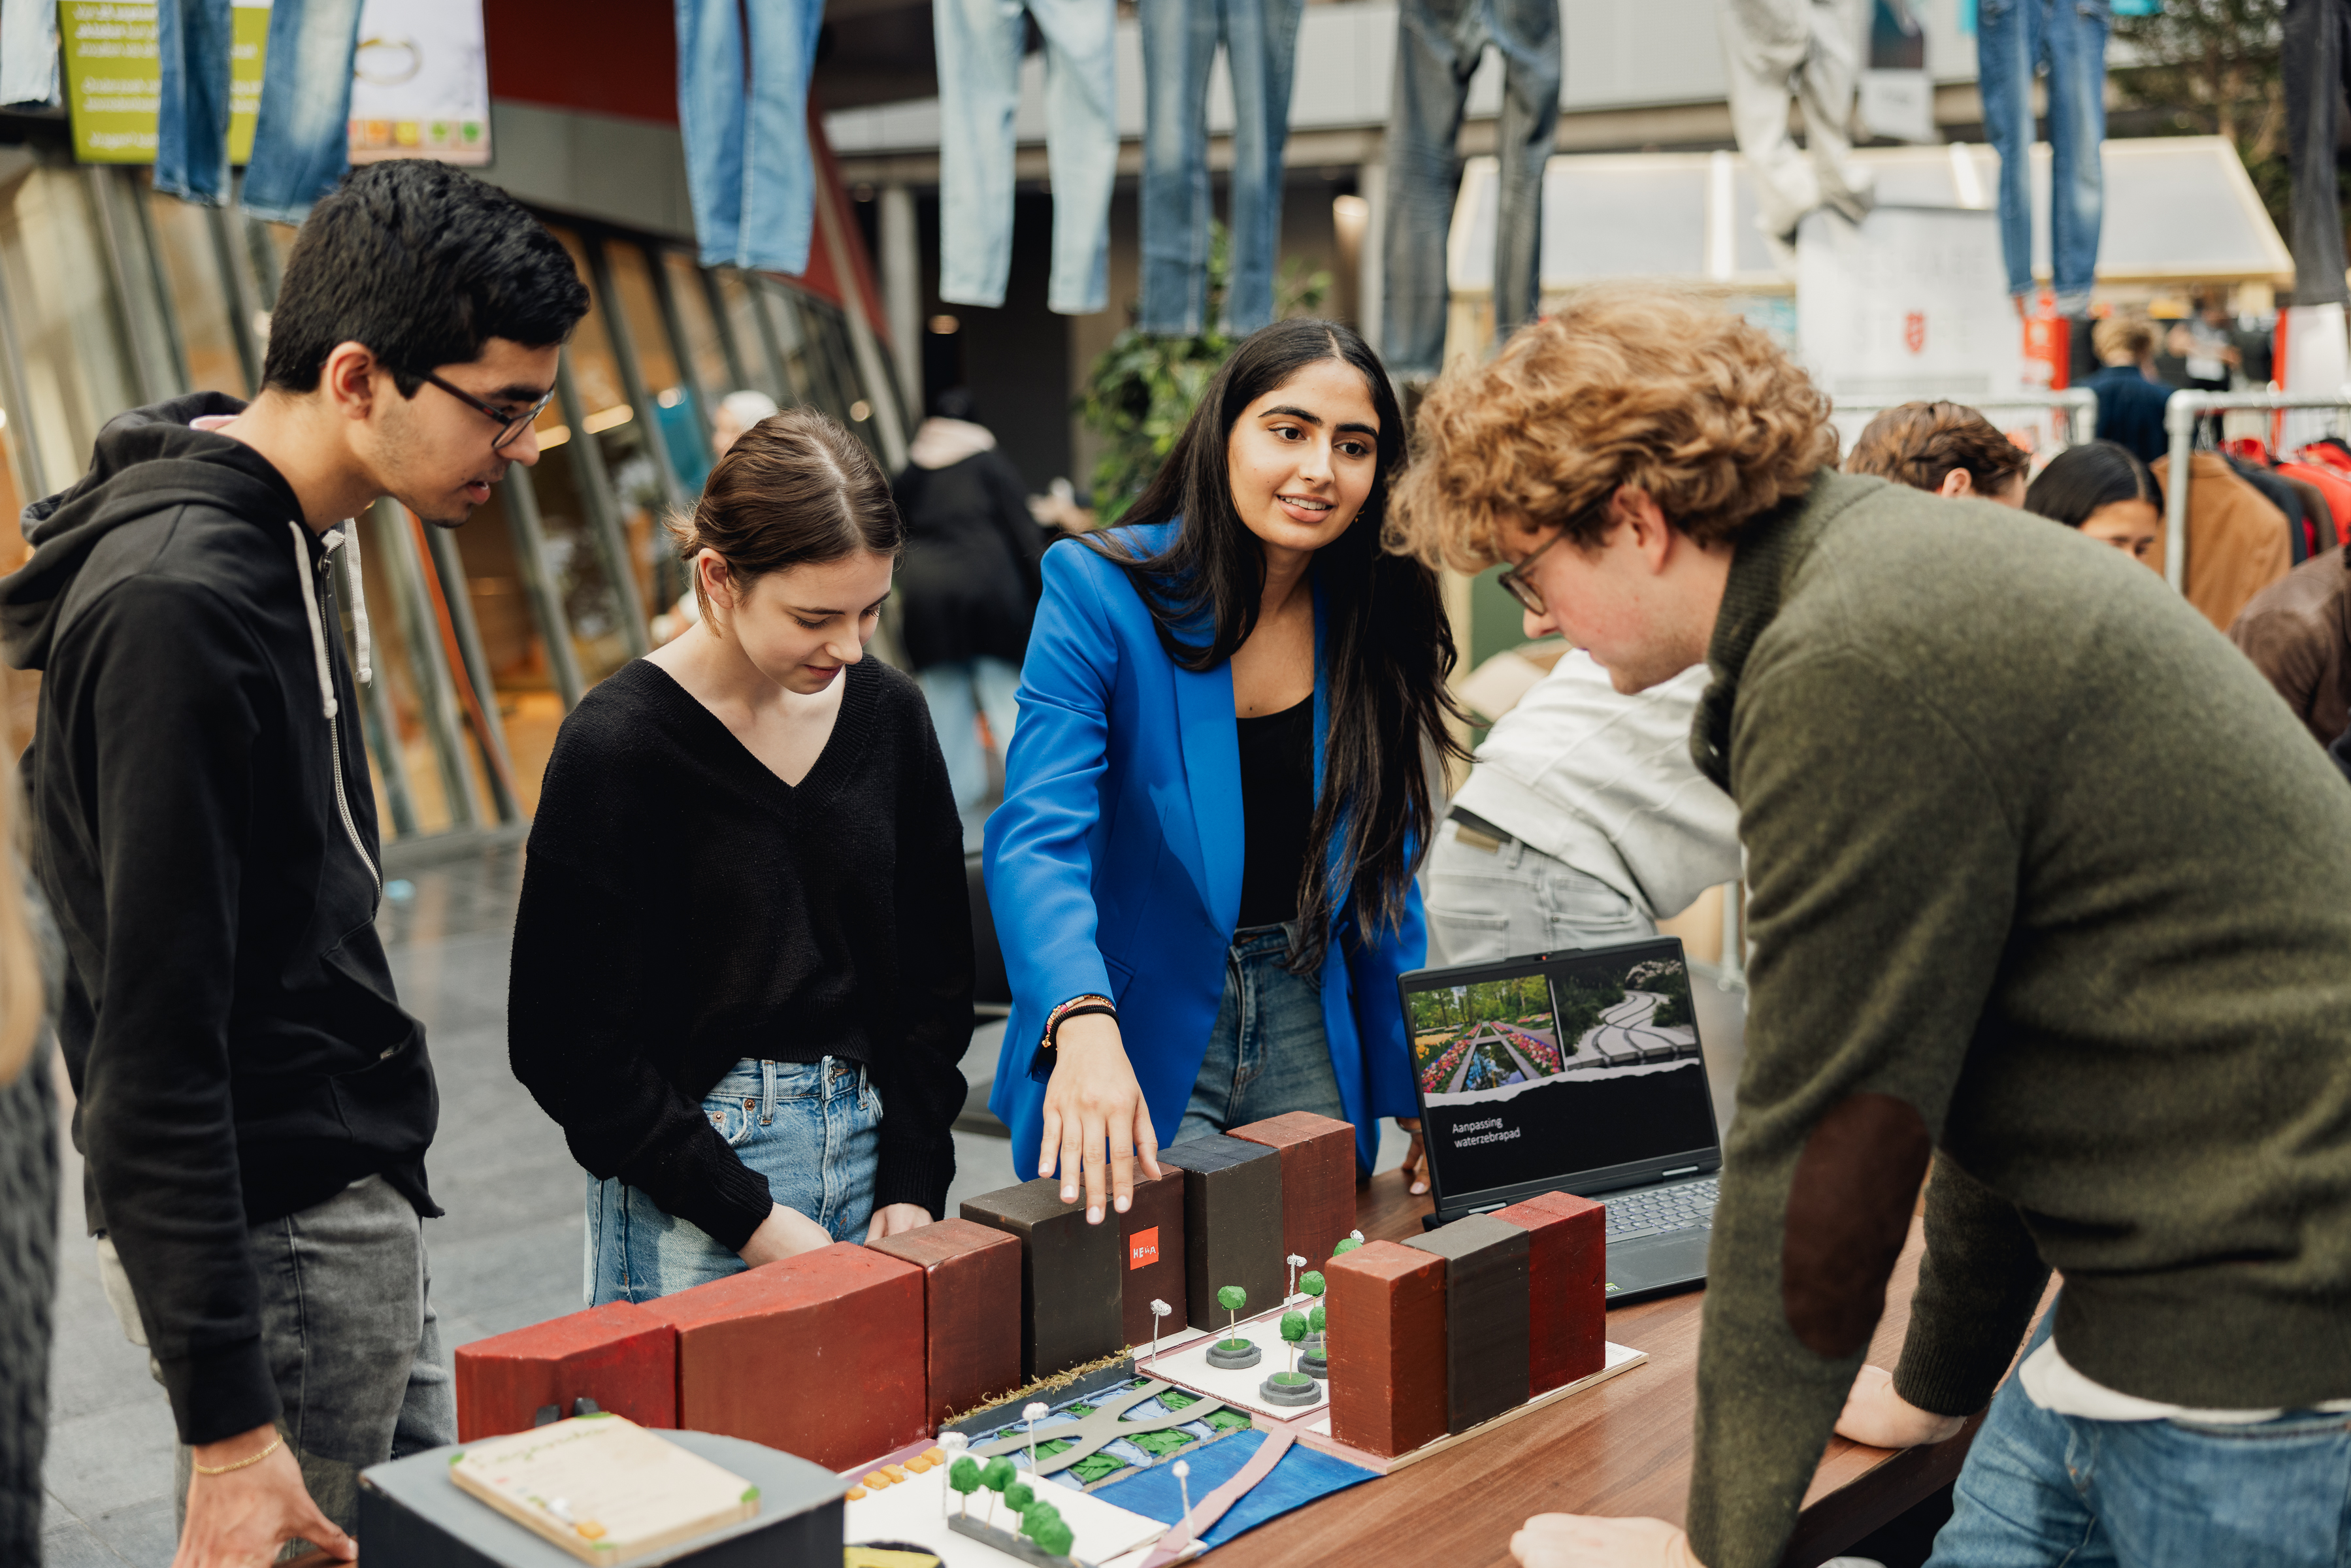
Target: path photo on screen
1490, 1040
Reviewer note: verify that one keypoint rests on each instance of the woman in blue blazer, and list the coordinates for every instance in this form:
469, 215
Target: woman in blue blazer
1202, 869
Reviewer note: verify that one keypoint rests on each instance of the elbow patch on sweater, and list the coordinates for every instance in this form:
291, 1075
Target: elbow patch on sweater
1848, 1214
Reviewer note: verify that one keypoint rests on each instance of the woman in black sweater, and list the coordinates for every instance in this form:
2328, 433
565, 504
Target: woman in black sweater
742, 967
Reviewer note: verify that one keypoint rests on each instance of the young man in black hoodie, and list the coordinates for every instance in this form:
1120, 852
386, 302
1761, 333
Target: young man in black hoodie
254, 1105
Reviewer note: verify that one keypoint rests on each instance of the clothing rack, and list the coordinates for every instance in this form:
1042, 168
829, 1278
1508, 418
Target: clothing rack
2079, 404
2181, 416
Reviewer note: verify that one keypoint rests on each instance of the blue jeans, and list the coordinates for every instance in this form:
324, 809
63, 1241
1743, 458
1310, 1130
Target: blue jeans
2040, 1488
958, 694
1439, 43
192, 42
1485, 905
301, 131
1268, 1054
747, 159
980, 45
29, 52
812, 1129
2014, 40
1179, 44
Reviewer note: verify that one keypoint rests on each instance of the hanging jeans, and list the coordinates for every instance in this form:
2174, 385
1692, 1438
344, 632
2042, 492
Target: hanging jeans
749, 165
29, 52
1810, 48
2317, 60
979, 46
301, 131
1439, 43
2015, 40
1179, 45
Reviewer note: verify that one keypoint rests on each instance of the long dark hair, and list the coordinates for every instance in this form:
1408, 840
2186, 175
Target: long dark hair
1390, 648
2081, 479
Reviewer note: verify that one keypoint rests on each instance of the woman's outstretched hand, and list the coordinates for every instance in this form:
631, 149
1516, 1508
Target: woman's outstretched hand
1096, 1125
1415, 1158
894, 1219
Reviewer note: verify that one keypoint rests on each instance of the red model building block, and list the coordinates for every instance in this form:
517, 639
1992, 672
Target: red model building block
1318, 1179
971, 1293
622, 1357
1154, 1270
821, 1355
1567, 1290
1385, 1342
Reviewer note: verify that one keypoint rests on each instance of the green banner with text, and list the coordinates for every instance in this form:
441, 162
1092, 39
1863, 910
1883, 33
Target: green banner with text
114, 77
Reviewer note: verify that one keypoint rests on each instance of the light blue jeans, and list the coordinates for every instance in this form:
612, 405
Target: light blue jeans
747, 159
1488, 905
1439, 44
29, 52
2043, 1488
958, 694
1179, 45
301, 133
980, 45
2015, 40
1268, 1054
812, 1129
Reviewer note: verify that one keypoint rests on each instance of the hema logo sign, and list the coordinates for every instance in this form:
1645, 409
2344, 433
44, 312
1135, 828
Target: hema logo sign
1142, 1249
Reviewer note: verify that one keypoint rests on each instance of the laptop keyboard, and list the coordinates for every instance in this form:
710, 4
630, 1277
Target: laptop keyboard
1661, 1210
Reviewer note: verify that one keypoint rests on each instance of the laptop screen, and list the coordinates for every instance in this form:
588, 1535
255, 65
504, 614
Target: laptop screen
1535, 1071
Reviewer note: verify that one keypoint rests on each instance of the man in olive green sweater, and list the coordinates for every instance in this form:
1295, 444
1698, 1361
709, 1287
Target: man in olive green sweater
2045, 882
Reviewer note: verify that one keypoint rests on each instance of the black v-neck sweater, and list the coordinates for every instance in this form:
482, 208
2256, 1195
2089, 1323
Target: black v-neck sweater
682, 908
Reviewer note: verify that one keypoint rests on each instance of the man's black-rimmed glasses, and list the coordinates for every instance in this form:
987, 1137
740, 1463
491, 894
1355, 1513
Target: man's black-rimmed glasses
1514, 582
510, 425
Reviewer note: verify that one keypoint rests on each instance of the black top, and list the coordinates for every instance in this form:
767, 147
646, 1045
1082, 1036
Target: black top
682, 908
2130, 411
970, 581
206, 837
1277, 812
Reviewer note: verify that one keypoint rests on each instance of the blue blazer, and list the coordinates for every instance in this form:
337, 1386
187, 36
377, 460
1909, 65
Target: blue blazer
1115, 863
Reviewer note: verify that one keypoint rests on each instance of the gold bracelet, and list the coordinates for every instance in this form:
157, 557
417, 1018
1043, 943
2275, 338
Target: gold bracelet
224, 1469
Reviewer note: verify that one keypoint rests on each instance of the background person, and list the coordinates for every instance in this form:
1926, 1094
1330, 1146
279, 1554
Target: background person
2120, 1034
2104, 490
29, 1198
736, 412
969, 586
1202, 868
760, 1058
2297, 633
253, 1102
1947, 448
2131, 400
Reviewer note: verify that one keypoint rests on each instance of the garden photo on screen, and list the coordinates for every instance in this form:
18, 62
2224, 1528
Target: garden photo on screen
1490, 1040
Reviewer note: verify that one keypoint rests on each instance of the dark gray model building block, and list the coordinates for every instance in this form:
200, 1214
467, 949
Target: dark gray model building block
1232, 1224
1072, 1275
412, 1515
1486, 1319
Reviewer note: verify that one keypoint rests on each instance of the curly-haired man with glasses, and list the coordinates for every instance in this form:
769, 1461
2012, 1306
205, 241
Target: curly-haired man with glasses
2047, 888
254, 1103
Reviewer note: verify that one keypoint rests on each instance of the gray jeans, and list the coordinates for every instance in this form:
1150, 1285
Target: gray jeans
348, 1325
1511, 900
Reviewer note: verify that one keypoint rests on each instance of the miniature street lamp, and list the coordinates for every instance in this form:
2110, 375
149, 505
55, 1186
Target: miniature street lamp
1159, 1309
1295, 1263
1032, 1413
1183, 1486
954, 1443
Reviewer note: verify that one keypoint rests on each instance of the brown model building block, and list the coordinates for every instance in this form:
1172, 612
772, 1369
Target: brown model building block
1567, 1287
1386, 1312
1073, 1282
621, 1356
971, 1295
819, 1355
1232, 1222
1485, 1317
1154, 1265
1318, 1179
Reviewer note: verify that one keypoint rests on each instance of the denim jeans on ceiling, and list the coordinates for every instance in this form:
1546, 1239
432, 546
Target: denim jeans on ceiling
1439, 43
979, 46
301, 130
29, 52
1179, 45
750, 166
2318, 61
2041, 1487
2015, 40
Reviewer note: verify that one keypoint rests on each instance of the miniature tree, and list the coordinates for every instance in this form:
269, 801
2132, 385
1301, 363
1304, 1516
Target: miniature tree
964, 1476
1232, 1298
1293, 1331
1037, 1516
1314, 1318
1355, 1239
1053, 1538
997, 1475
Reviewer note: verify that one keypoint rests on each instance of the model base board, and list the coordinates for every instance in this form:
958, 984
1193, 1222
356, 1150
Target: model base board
1188, 1366
1316, 1433
916, 1510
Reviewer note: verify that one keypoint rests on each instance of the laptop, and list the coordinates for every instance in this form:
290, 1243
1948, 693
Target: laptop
1577, 1071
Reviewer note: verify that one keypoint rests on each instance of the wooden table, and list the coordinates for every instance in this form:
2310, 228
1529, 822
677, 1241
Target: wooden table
1623, 1448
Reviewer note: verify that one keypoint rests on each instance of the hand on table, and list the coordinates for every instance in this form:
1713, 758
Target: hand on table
893, 1218
785, 1233
1096, 1125
1587, 1540
241, 1519
1874, 1414
1415, 1158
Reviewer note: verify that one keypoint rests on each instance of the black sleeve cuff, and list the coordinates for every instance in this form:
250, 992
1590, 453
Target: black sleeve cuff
221, 1392
917, 1171
725, 1198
